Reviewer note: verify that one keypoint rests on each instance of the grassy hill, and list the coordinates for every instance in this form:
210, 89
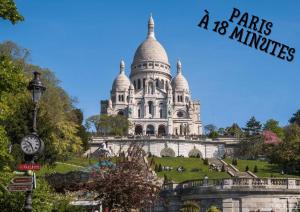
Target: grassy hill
194, 169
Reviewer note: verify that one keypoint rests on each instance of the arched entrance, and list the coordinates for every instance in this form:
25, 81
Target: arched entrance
150, 130
138, 130
161, 130
121, 113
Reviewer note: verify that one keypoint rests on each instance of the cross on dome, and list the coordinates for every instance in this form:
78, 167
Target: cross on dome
122, 67
151, 27
179, 66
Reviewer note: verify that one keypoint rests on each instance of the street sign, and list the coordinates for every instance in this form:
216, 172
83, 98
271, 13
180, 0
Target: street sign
28, 173
24, 180
17, 187
31, 166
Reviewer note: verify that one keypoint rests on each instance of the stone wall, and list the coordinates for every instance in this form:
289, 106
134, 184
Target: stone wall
234, 195
181, 147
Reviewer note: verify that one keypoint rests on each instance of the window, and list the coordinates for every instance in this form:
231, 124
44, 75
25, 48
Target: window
157, 82
139, 113
139, 83
180, 114
161, 113
162, 84
134, 84
144, 81
150, 106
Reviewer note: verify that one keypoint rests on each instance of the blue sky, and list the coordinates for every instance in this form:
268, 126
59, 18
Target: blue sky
83, 42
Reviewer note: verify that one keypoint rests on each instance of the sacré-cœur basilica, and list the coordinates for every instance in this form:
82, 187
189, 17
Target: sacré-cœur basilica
159, 106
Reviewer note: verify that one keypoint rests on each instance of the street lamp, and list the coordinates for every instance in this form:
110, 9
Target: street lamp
31, 144
36, 88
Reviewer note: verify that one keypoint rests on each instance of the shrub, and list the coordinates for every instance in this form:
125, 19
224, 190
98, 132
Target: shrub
167, 152
159, 168
223, 168
205, 161
247, 168
255, 169
156, 168
234, 162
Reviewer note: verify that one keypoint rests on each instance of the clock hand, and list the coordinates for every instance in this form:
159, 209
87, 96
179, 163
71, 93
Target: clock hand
30, 145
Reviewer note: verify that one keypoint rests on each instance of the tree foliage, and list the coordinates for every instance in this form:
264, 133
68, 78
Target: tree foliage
9, 11
273, 126
109, 124
253, 127
44, 198
130, 185
295, 118
57, 122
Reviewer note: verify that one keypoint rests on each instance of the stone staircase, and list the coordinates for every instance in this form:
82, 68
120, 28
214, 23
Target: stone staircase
230, 169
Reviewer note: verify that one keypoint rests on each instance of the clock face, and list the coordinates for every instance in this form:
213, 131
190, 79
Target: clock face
30, 144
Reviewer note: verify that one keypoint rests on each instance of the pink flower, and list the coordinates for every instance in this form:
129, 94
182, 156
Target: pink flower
270, 137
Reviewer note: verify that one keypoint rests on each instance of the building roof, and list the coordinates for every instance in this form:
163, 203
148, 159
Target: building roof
179, 82
121, 82
150, 49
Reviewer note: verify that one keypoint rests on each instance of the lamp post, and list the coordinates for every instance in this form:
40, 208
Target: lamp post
36, 87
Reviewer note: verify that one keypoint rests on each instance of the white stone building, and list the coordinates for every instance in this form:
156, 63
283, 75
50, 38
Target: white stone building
154, 102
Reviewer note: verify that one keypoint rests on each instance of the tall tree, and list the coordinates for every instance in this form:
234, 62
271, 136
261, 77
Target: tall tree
273, 126
295, 118
57, 125
253, 127
130, 185
9, 11
234, 130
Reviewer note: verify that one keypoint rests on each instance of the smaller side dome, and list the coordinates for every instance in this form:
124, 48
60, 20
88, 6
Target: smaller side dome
121, 82
179, 82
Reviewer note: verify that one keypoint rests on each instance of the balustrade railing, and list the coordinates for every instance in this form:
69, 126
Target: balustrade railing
234, 183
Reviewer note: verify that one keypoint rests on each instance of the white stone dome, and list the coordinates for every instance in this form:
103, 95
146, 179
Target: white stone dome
150, 49
179, 82
121, 82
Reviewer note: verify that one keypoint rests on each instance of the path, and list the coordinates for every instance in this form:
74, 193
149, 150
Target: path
231, 170
69, 164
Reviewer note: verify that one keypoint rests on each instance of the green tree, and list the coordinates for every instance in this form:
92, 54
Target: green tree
190, 206
213, 209
295, 118
9, 11
109, 124
57, 125
209, 128
255, 169
273, 126
253, 127
82, 131
44, 198
93, 122
234, 130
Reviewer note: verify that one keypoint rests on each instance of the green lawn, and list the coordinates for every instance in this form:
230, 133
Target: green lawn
72, 164
264, 168
188, 164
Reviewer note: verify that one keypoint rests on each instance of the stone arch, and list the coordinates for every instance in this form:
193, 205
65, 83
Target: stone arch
167, 152
150, 130
195, 153
121, 113
138, 130
161, 130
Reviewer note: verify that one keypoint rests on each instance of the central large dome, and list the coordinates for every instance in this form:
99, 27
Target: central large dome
150, 55
150, 50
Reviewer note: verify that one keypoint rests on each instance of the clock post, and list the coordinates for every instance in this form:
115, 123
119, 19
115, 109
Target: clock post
31, 144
